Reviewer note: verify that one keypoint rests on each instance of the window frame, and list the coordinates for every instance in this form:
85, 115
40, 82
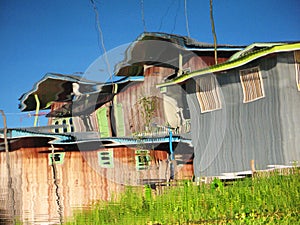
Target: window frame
204, 98
66, 123
142, 159
249, 86
106, 158
52, 156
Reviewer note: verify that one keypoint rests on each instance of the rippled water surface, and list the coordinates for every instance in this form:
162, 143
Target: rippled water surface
36, 191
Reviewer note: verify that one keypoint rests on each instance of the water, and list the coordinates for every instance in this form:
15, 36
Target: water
36, 191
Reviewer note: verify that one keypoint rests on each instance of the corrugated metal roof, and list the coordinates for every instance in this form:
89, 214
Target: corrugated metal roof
58, 87
53, 87
23, 133
162, 49
253, 48
184, 41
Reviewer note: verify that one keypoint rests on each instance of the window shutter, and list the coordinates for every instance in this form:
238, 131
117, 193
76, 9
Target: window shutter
252, 84
208, 94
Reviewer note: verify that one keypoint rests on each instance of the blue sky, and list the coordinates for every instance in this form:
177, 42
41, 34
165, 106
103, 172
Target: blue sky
40, 36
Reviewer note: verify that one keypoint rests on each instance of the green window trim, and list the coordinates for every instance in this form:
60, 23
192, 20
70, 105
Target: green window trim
142, 159
58, 158
163, 90
120, 125
106, 159
102, 120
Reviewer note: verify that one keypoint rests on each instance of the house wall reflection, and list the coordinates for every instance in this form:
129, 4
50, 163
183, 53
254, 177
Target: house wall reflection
46, 192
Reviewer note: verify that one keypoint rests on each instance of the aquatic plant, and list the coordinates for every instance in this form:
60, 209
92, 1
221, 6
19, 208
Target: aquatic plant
265, 200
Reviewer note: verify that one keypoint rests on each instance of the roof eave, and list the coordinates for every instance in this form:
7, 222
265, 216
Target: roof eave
233, 63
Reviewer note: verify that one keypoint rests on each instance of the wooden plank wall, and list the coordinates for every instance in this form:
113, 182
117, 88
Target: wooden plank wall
134, 120
40, 194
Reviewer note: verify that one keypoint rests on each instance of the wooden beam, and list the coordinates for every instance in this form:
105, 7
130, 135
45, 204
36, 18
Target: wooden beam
37, 109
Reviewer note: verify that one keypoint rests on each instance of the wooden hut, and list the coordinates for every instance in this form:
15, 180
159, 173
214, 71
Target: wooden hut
47, 181
245, 109
103, 134
132, 103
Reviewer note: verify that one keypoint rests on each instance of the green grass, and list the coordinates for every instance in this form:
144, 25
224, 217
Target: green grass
272, 200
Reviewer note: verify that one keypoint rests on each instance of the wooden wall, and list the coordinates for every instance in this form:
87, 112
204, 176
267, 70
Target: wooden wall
44, 193
166, 111
79, 125
134, 120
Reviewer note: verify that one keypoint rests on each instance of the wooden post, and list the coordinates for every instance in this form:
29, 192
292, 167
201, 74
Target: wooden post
55, 181
252, 165
9, 182
180, 59
4, 131
213, 30
36, 97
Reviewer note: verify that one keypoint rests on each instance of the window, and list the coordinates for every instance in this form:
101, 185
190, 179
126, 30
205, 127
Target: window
65, 129
252, 84
63, 125
163, 90
56, 130
71, 124
297, 65
106, 159
119, 116
103, 123
57, 158
142, 159
208, 94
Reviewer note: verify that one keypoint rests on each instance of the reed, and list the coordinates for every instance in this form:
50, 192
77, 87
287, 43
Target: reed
264, 200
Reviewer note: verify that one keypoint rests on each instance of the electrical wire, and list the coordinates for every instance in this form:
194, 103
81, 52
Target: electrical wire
186, 19
165, 14
143, 15
175, 19
101, 38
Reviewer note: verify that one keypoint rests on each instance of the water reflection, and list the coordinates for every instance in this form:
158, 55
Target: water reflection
44, 185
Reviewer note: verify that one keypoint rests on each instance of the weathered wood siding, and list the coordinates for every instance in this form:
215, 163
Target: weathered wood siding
78, 124
43, 194
129, 99
197, 62
266, 130
39, 197
166, 107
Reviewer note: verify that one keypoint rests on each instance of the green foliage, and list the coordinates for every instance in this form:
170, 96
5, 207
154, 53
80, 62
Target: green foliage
148, 106
216, 184
271, 200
